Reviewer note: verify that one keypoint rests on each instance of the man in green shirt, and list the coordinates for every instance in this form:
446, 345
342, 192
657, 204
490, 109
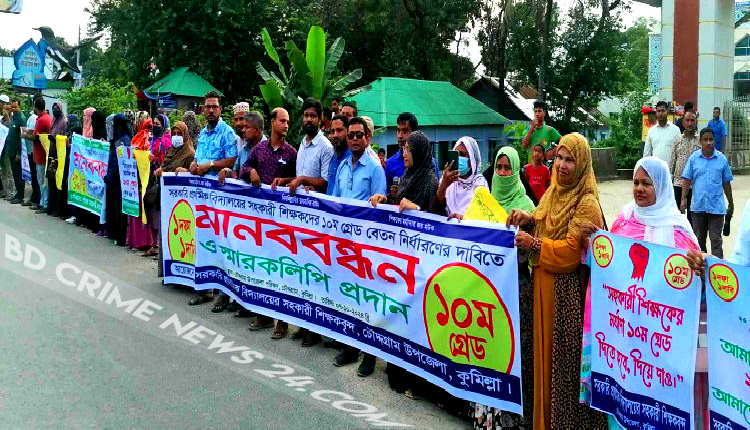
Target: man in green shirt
13, 148
540, 133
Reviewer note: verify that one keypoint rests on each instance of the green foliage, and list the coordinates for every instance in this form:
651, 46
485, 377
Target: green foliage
103, 95
12, 92
310, 73
626, 131
515, 133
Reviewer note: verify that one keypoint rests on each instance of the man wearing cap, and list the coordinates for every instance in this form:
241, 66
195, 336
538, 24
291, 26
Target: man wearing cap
238, 122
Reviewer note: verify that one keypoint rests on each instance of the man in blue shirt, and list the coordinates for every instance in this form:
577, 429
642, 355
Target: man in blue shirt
719, 127
708, 172
358, 177
406, 123
339, 126
217, 145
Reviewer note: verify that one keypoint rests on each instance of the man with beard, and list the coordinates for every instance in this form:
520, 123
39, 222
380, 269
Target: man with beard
339, 126
335, 107
359, 177
217, 147
238, 122
313, 162
252, 135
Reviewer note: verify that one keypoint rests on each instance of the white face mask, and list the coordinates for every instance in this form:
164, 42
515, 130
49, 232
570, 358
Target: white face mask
177, 141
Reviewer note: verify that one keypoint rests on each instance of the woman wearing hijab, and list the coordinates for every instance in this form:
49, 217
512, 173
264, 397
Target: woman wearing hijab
139, 235
178, 158
59, 128
508, 190
116, 220
458, 184
194, 128
74, 127
507, 187
160, 143
553, 233
88, 130
417, 188
97, 223
110, 126
652, 216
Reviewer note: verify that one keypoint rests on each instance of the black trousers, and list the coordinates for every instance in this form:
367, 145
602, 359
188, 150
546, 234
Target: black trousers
678, 198
36, 195
15, 167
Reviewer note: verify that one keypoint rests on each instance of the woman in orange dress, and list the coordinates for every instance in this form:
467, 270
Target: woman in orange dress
552, 233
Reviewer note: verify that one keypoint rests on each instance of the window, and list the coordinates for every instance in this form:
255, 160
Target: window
742, 48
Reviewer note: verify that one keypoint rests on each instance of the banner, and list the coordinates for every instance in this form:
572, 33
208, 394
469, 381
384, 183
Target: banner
144, 171
44, 140
61, 142
3, 136
645, 305
436, 298
728, 325
484, 207
88, 166
128, 180
25, 166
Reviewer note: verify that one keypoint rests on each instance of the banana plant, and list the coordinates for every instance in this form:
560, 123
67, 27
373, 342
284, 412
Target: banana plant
310, 72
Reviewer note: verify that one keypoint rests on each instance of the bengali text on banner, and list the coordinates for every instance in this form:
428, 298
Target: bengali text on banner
88, 166
728, 324
128, 181
439, 299
645, 304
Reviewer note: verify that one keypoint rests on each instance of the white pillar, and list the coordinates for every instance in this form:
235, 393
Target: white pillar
667, 50
715, 56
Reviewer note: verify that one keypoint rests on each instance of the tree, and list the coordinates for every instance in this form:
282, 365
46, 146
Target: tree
217, 39
104, 95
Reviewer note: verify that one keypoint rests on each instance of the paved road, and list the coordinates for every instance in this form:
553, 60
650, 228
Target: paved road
69, 360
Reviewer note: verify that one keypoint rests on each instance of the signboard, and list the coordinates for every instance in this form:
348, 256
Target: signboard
438, 299
128, 181
11, 6
88, 166
29, 61
645, 304
728, 325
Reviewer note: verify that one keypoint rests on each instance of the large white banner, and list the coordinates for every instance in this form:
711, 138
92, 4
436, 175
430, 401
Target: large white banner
439, 299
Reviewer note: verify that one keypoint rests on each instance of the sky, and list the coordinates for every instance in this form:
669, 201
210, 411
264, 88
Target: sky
65, 17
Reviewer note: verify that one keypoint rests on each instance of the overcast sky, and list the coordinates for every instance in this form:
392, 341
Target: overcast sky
65, 17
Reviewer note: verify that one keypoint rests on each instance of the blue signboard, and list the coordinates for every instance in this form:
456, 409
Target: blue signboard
11, 6
29, 61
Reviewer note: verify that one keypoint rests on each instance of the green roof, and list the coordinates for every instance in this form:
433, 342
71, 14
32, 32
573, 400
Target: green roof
181, 82
434, 103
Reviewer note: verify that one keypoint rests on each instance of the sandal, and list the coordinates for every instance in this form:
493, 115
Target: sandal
151, 252
261, 323
199, 299
280, 331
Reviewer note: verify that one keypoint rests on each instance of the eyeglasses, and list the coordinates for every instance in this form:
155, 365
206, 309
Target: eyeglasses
356, 135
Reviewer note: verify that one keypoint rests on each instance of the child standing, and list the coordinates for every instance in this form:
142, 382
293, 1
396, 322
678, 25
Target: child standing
537, 174
707, 172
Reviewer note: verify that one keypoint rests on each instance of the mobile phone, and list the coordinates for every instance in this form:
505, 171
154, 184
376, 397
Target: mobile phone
453, 156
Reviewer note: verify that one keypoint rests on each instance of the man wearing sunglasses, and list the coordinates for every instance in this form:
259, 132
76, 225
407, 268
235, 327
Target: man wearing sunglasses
358, 177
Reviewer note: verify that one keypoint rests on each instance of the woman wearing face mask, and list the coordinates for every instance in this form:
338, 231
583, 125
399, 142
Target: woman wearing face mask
177, 159
457, 186
116, 220
552, 234
161, 142
139, 236
508, 190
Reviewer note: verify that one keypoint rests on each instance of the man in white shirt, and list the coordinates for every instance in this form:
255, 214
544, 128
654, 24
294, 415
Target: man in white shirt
662, 136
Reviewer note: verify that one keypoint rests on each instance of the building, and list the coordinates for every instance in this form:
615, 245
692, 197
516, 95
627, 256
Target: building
445, 114
181, 89
516, 102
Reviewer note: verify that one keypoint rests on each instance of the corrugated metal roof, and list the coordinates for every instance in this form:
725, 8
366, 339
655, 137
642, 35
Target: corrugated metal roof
181, 82
434, 103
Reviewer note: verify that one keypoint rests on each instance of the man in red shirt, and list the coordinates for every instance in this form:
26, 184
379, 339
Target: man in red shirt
43, 126
537, 174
